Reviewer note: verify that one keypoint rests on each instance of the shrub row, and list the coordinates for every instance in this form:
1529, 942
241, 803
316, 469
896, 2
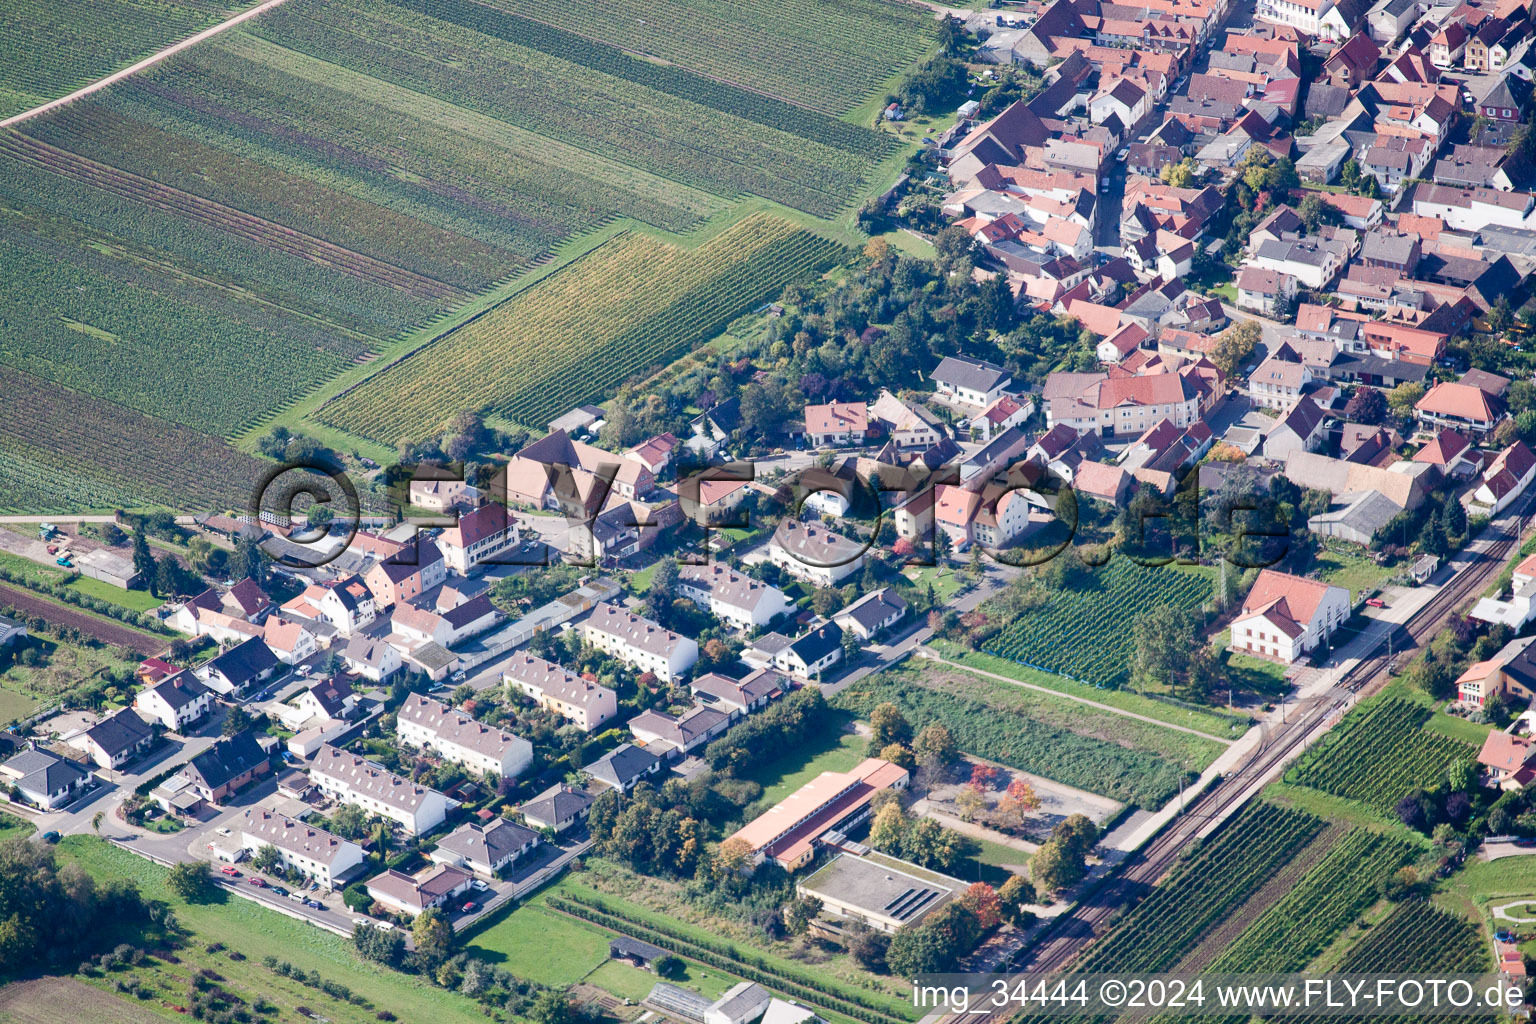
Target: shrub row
726, 957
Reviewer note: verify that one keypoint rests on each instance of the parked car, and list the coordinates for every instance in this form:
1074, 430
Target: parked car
316, 904
297, 897
50, 836
279, 890
231, 872
1376, 602
480, 884
471, 907
224, 831
260, 883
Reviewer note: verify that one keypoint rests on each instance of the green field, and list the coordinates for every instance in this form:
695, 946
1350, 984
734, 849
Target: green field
257, 932
1083, 746
1085, 634
1211, 721
52, 49
276, 212
828, 56
535, 943
571, 337
138, 600
1378, 753
828, 752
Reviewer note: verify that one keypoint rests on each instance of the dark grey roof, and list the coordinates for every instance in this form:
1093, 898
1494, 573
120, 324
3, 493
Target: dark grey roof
972, 374
244, 662
622, 766
468, 612
123, 731
227, 759
1325, 100
818, 643
557, 804
490, 843
873, 609
179, 690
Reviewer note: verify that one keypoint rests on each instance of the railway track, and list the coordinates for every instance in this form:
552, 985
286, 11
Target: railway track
1072, 933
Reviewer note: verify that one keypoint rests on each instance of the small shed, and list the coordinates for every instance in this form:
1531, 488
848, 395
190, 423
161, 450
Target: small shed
1425, 567
641, 954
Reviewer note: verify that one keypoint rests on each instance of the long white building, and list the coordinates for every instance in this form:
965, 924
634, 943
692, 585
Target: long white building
639, 642
350, 779
480, 748
313, 852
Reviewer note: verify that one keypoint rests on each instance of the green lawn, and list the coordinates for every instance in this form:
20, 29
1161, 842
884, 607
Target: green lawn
31, 573
12, 827
628, 982
1340, 809
1439, 721
830, 752
947, 582
14, 704
1212, 721
138, 600
1356, 573
538, 944
1481, 881
258, 932
906, 242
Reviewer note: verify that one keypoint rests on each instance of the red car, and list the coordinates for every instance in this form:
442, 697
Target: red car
471, 907
231, 872
1376, 602
260, 883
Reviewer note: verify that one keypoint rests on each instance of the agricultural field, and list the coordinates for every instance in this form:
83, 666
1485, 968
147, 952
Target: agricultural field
1378, 754
1085, 634
52, 49
571, 337
66, 452
1074, 743
108, 631
59, 667
1203, 890
1419, 937
827, 56
1320, 907
52, 999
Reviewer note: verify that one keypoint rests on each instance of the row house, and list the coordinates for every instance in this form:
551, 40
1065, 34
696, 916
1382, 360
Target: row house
480, 748
350, 779
303, 849
1113, 406
738, 599
814, 553
585, 703
640, 643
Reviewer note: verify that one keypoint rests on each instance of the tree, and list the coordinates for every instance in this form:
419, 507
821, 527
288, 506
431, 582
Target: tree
551, 1007
889, 830
919, 950
669, 966
971, 802
934, 746
867, 946
350, 822
434, 936
1015, 892
236, 721
799, 913
143, 562
1019, 800
732, 858
378, 945
983, 903
189, 879
1315, 211
267, 859
1403, 398
1235, 344
898, 754
1367, 405
1182, 174
888, 725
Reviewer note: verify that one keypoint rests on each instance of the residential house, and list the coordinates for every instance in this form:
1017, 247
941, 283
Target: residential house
873, 613
1300, 429
906, 424
486, 849
639, 642
676, 736
484, 535
1285, 617
970, 381
1264, 291
1116, 406
1508, 474
305, 850
811, 552
1451, 452
586, 703
347, 605
575, 478
656, 454
713, 427
402, 894
738, 599
1003, 414
1279, 383
1462, 406
350, 779
44, 779
289, 640
559, 808
226, 767
454, 736
175, 702
372, 658
837, 424
1509, 760
116, 739
403, 576
813, 652
739, 697
326, 700
624, 766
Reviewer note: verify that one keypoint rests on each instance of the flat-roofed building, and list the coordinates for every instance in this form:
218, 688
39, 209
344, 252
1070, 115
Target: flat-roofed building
882, 892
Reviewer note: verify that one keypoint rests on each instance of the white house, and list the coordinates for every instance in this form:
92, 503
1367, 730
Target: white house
562, 691
313, 852
813, 652
639, 642
872, 613
480, 748
814, 553
350, 779
371, 658
739, 599
971, 381
1505, 479
1284, 617
486, 849
290, 640
45, 779
479, 536
1519, 609
403, 894
116, 739
175, 702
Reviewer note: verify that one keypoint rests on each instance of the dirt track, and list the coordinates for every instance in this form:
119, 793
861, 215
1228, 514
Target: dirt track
106, 631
